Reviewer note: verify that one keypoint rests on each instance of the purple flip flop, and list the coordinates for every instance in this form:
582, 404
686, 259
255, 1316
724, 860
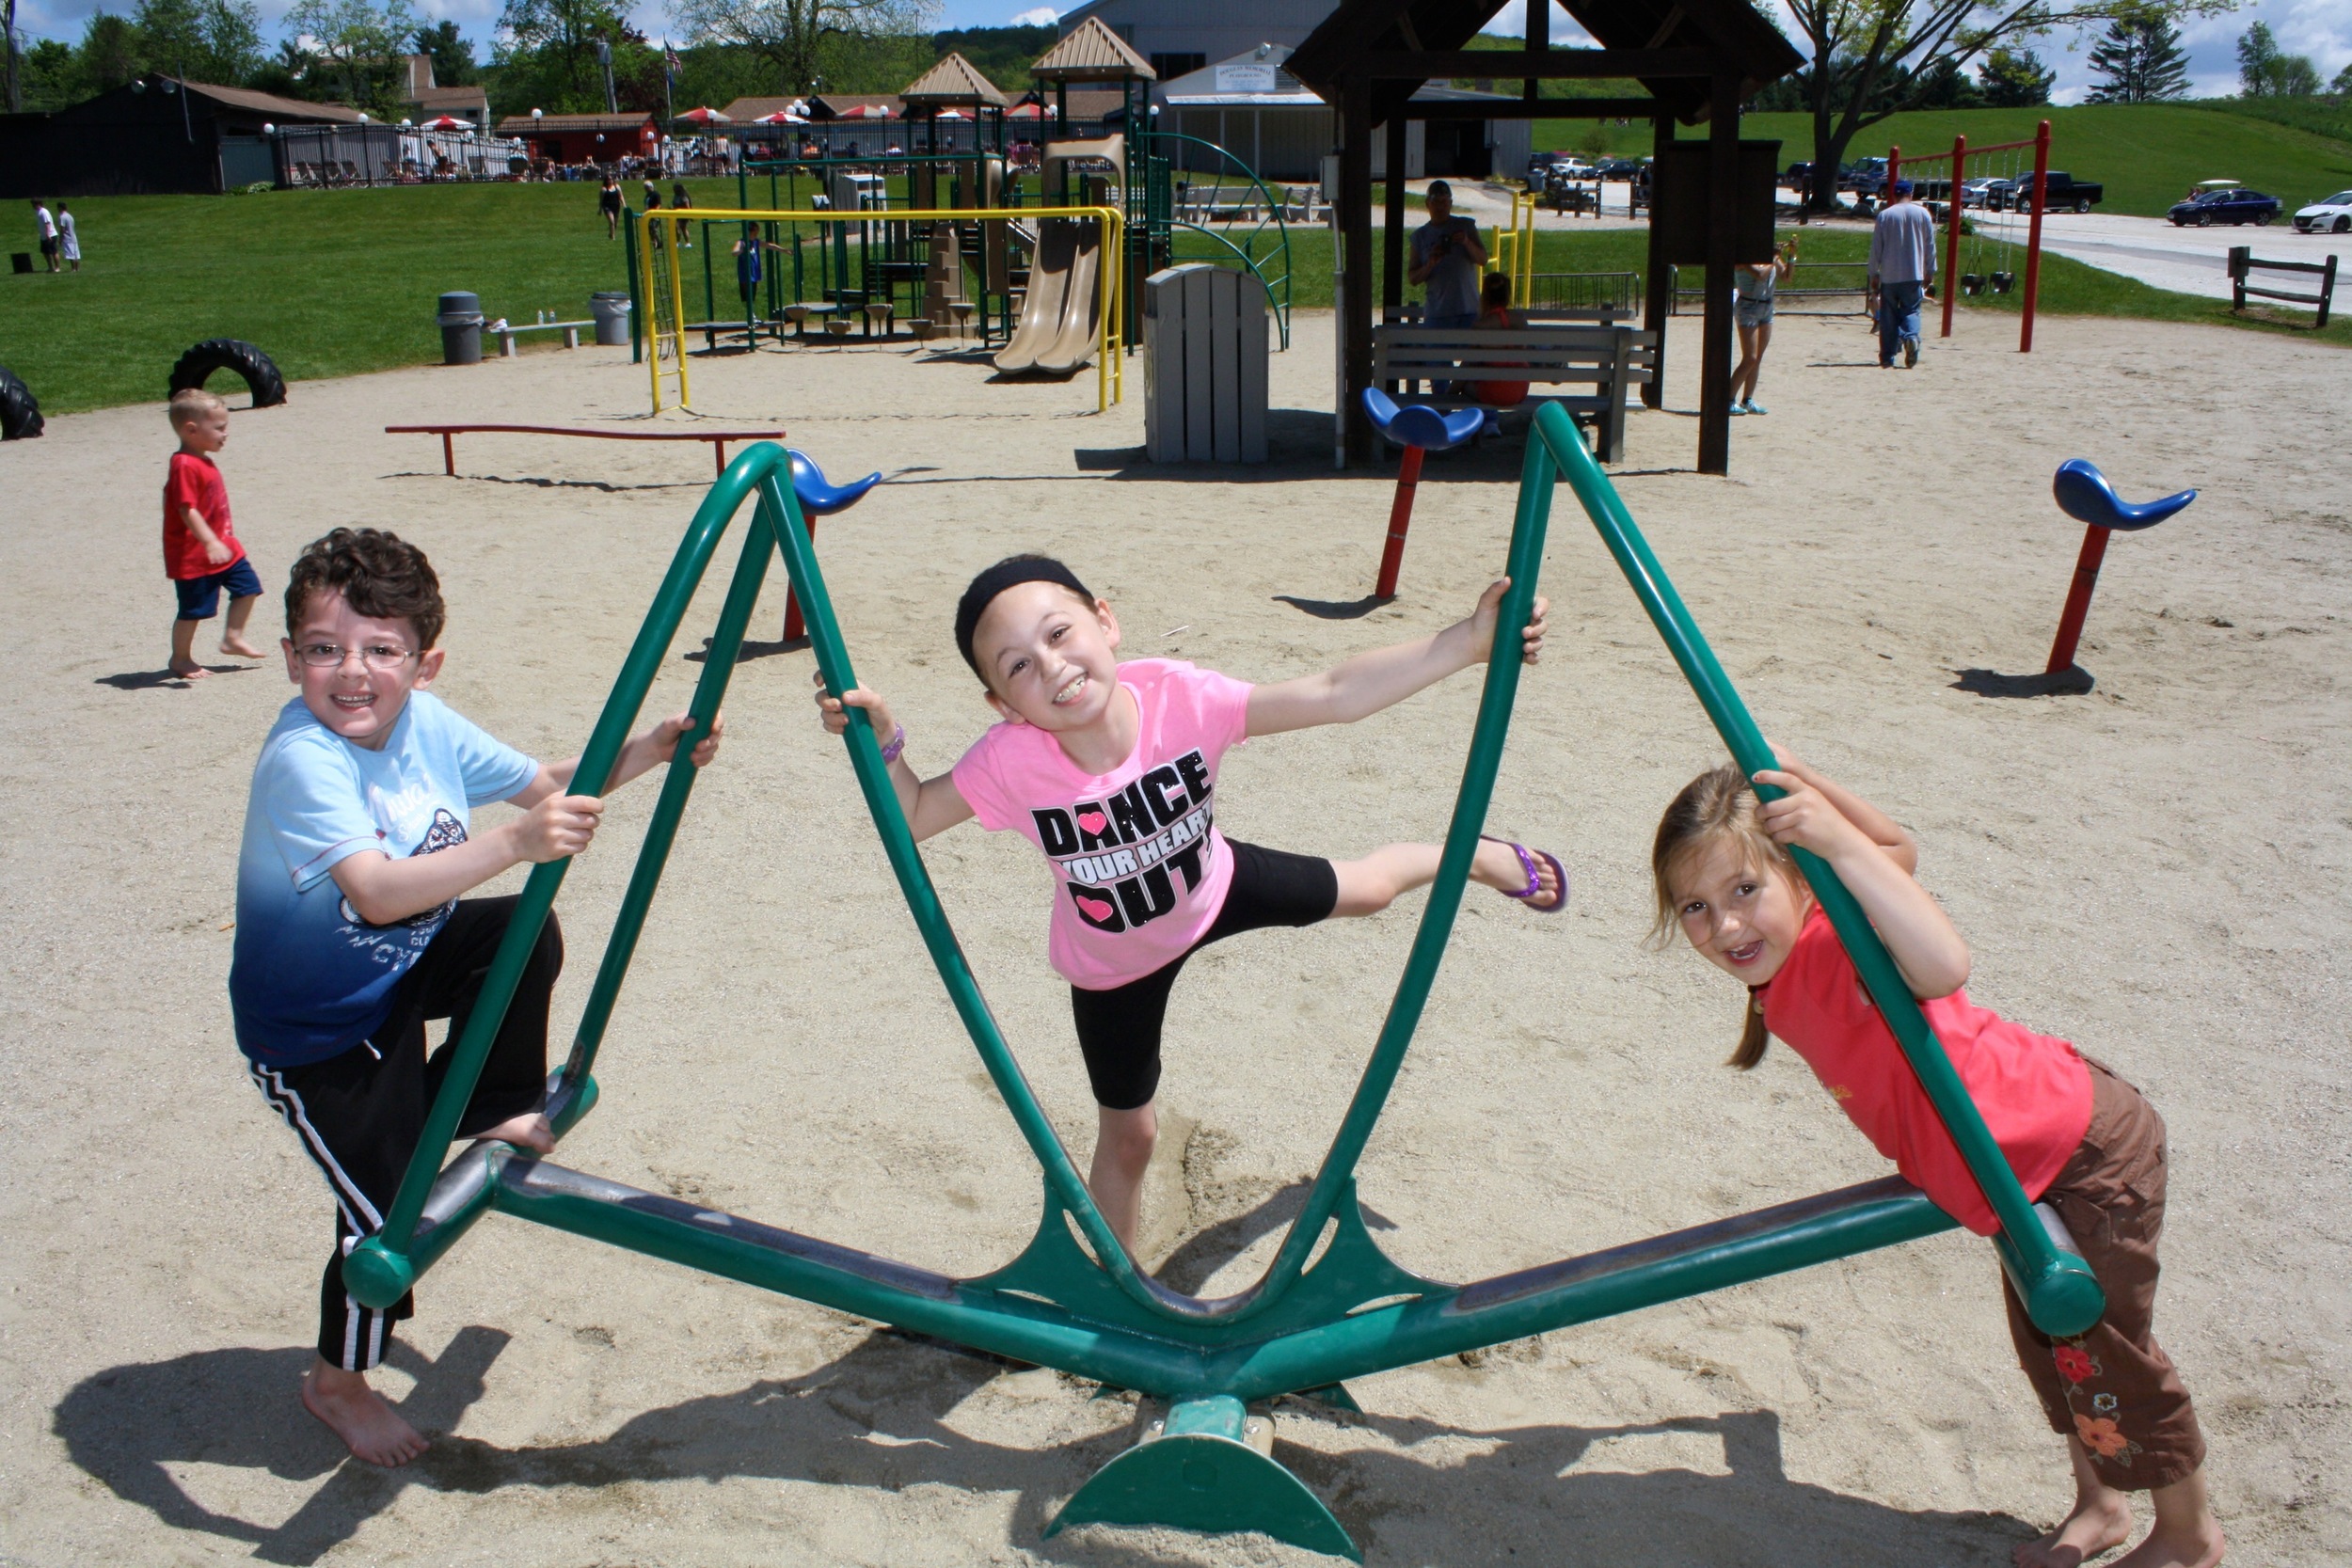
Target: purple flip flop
1535, 883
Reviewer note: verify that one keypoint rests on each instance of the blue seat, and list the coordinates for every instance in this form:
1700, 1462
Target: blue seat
818, 498
2084, 493
1417, 424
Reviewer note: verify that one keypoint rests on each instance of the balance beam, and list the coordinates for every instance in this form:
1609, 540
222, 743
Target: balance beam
717, 438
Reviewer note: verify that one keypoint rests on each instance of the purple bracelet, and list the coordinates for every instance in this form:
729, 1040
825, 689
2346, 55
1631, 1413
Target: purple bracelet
898, 744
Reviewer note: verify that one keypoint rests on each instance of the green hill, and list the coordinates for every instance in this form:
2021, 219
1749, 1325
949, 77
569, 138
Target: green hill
2148, 154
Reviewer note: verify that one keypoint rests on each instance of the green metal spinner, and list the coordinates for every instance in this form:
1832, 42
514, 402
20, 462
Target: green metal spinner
1074, 1299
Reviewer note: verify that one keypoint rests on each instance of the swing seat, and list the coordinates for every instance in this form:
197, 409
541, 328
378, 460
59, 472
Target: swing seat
1417, 424
2002, 281
1972, 283
823, 499
2084, 493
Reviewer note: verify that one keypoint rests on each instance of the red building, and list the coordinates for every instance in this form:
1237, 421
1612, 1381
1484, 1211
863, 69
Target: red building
585, 138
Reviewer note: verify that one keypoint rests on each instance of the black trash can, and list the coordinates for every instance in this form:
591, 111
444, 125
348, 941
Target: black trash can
461, 329
610, 307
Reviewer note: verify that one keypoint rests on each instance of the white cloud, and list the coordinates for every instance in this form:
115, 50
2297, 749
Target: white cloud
1041, 16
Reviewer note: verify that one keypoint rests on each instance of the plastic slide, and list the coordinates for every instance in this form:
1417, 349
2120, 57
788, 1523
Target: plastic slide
1057, 330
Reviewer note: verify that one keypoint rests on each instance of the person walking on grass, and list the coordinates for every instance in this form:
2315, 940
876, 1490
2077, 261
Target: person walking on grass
69, 239
1753, 287
680, 201
48, 227
1902, 259
609, 204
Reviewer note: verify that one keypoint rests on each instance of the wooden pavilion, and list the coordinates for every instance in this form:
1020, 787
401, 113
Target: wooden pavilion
956, 86
1696, 61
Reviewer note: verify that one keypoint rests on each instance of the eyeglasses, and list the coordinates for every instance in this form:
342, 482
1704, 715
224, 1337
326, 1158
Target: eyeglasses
381, 656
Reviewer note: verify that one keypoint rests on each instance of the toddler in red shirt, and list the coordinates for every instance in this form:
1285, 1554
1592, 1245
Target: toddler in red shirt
2079, 1138
201, 555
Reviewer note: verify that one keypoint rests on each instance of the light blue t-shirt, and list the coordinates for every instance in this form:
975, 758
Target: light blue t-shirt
310, 978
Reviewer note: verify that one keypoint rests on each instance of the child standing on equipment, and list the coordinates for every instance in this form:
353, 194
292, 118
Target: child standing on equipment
201, 555
2079, 1138
1110, 769
352, 926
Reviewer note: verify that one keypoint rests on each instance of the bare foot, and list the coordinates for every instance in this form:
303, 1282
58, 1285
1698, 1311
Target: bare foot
370, 1428
232, 643
531, 1131
1499, 868
188, 670
2167, 1548
2097, 1525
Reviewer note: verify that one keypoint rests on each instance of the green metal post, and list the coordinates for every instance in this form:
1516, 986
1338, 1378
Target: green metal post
636, 306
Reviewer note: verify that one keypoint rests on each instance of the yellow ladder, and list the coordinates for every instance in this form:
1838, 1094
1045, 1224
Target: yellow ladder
664, 294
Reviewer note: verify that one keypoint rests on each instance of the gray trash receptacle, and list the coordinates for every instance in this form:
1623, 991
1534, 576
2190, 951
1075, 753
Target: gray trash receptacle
461, 329
1204, 365
610, 307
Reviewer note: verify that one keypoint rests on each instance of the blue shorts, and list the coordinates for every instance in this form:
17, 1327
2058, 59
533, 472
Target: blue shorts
199, 597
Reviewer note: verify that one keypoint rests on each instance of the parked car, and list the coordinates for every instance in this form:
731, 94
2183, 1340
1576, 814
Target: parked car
2061, 192
1620, 168
1979, 192
2233, 206
2331, 217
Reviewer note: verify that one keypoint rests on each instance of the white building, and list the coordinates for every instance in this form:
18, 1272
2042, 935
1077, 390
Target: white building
1263, 115
1179, 39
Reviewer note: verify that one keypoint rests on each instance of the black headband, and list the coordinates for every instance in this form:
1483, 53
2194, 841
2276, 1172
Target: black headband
1009, 572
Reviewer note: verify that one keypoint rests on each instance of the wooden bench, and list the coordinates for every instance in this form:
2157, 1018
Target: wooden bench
1610, 360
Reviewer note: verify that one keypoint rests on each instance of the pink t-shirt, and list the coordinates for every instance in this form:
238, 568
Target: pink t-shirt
1144, 870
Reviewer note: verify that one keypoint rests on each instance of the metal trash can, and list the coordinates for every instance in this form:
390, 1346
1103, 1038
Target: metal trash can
461, 329
1204, 365
610, 307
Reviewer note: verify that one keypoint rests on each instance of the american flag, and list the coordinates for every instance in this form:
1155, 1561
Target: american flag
670, 62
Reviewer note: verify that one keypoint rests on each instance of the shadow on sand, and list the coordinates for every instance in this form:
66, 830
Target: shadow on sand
878, 1418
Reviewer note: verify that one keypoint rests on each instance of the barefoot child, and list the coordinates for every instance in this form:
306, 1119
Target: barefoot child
352, 926
2079, 1138
1109, 768
201, 554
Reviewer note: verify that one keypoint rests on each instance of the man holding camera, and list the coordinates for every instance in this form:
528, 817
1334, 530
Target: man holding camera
1447, 257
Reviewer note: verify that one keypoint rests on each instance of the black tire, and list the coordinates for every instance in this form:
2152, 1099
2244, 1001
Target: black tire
2204, 220
2262, 220
230, 353
2082, 204
19, 411
2343, 226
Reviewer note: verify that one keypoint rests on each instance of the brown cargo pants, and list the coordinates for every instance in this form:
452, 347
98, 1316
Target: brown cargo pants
2114, 1388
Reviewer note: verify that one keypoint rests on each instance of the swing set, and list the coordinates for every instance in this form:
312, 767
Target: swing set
1331, 1305
1975, 281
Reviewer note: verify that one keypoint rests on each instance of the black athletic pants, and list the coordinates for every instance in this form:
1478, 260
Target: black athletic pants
359, 1115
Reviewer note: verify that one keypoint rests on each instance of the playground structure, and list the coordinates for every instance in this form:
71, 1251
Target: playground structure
1419, 429
448, 432
2084, 493
1330, 1306
1512, 248
1950, 191
662, 285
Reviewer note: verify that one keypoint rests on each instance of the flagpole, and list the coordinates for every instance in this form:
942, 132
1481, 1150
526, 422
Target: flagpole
668, 80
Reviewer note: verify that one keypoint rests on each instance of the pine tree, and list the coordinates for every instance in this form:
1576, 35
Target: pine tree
2014, 79
2142, 60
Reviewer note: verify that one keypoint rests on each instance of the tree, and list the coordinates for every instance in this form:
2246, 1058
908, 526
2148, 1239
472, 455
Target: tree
2014, 79
452, 56
546, 53
2141, 60
360, 41
791, 35
1872, 58
109, 55
15, 90
2297, 77
2342, 86
205, 41
2266, 71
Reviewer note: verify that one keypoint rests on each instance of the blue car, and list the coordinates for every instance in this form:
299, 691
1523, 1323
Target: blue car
2233, 206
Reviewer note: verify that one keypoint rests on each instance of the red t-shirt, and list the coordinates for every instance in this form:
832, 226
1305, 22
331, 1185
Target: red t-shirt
2033, 1090
195, 482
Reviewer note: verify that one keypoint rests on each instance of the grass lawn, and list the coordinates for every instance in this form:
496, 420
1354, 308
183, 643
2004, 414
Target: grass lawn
341, 283
2147, 154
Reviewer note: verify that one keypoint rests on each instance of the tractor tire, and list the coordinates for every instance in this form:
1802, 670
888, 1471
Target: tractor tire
230, 353
19, 411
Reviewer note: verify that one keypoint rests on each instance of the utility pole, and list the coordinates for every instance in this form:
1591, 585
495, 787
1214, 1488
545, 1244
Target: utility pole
16, 104
604, 59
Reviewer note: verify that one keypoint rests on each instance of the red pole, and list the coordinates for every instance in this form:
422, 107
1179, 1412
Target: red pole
449, 455
2033, 236
719, 452
2078, 599
1399, 519
792, 628
1951, 237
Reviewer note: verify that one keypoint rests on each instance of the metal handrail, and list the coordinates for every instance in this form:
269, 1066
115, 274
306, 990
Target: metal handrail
1278, 288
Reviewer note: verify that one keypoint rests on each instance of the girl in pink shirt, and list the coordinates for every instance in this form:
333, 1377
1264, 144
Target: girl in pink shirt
1110, 770
2079, 1138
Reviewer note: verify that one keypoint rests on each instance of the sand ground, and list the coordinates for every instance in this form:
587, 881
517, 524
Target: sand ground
2155, 870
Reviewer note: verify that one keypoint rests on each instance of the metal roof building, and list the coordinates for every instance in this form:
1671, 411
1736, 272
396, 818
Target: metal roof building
1258, 112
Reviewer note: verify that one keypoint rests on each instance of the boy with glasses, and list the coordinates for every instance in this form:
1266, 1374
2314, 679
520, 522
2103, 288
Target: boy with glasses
352, 928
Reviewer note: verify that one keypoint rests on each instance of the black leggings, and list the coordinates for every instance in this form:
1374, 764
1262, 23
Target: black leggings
359, 1115
1118, 1030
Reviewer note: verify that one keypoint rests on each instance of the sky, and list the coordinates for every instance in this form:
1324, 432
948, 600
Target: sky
2320, 28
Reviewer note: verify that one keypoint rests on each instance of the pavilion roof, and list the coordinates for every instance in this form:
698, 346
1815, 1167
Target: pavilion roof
954, 80
1091, 51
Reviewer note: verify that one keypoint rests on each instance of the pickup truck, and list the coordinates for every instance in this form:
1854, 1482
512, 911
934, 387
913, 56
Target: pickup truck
2061, 192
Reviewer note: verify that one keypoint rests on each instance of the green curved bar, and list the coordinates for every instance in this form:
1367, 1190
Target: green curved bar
2056, 1288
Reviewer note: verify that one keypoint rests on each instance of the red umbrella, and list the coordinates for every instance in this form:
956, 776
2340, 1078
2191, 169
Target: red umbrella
867, 111
447, 122
703, 116
782, 117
